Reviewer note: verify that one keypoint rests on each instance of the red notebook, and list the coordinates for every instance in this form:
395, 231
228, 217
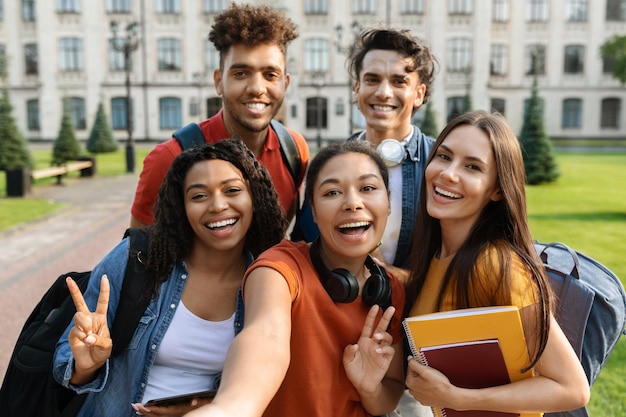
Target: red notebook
475, 364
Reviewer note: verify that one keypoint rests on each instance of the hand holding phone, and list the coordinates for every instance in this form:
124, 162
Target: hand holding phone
180, 399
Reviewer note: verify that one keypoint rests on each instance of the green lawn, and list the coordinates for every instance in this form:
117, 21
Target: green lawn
16, 211
586, 208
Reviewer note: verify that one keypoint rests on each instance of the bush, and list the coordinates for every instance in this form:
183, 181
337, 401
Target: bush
66, 146
101, 137
429, 124
14, 152
539, 161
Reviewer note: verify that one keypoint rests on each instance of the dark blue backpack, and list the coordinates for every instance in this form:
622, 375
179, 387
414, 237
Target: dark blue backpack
591, 307
29, 389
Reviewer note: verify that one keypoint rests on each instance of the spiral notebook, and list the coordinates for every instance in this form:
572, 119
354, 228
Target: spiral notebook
474, 348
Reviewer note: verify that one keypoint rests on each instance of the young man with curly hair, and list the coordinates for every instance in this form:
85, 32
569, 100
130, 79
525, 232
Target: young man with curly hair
252, 81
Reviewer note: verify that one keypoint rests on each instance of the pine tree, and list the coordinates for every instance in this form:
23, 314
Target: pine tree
539, 162
66, 146
429, 123
14, 152
101, 137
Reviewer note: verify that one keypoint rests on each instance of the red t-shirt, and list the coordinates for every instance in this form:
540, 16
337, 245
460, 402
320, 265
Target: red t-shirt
158, 161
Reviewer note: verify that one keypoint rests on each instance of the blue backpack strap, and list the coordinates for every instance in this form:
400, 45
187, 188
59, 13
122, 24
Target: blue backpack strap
189, 136
288, 150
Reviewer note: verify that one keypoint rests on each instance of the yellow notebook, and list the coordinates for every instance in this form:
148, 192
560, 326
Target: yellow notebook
466, 337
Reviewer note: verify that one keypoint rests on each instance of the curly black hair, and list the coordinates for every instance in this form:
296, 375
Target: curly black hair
251, 25
171, 236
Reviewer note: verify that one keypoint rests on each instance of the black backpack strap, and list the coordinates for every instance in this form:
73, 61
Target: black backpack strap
133, 300
189, 136
288, 150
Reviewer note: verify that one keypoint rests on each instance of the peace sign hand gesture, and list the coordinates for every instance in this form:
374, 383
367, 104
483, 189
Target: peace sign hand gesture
367, 362
89, 339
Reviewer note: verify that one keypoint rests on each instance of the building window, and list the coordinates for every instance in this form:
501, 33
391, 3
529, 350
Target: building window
315, 6
412, 7
213, 104
71, 54
168, 51
170, 113
68, 6
500, 12
30, 59
316, 55
611, 109
214, 6
116, 58
537, 10
454, 107
316, 113
576, 10
118, 6
459, 54
32, 114
608, 63
498, 64
76, 108
364, 6
535, 60
572, 113
118, 113
167, 6
211, 57
499, 105
28, 10
616, 10
3, 60
460, 6
1, 10
574, 59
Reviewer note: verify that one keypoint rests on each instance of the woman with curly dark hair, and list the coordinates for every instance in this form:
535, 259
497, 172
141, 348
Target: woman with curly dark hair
217, 210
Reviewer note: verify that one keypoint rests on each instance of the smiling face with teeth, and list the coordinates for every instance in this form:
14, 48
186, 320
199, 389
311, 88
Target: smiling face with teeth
218, 204
350, 205
387, 92
461, 179
252, 83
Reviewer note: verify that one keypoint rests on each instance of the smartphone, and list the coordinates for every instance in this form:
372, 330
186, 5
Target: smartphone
180, 399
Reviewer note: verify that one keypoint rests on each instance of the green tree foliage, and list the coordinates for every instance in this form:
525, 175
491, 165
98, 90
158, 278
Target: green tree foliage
429, 123
101, 137
614, 50
66, 146
539, 161
14, 152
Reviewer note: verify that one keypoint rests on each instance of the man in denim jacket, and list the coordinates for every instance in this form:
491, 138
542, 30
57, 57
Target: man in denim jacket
393, 73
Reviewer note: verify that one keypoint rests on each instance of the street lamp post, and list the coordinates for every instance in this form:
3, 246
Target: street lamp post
127, 44
318, 79
198, 79
347, 50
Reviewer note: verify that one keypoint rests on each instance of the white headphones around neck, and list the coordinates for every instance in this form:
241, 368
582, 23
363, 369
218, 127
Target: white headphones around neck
392, 151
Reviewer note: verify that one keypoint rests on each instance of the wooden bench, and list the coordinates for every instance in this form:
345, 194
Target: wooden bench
85, 167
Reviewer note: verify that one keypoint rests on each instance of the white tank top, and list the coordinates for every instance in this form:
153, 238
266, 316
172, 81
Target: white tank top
192, 352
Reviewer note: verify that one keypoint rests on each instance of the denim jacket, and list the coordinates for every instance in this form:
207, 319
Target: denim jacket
122, 380
413, 166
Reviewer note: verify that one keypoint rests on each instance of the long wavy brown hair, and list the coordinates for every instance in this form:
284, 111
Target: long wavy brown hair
501, 227
171, 237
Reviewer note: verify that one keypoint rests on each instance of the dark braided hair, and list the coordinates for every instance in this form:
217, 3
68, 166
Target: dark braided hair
171, 236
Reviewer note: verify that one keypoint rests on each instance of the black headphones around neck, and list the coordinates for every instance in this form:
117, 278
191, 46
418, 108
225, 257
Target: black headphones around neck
343, 287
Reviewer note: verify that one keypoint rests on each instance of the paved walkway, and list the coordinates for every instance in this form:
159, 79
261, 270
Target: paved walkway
32, 256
